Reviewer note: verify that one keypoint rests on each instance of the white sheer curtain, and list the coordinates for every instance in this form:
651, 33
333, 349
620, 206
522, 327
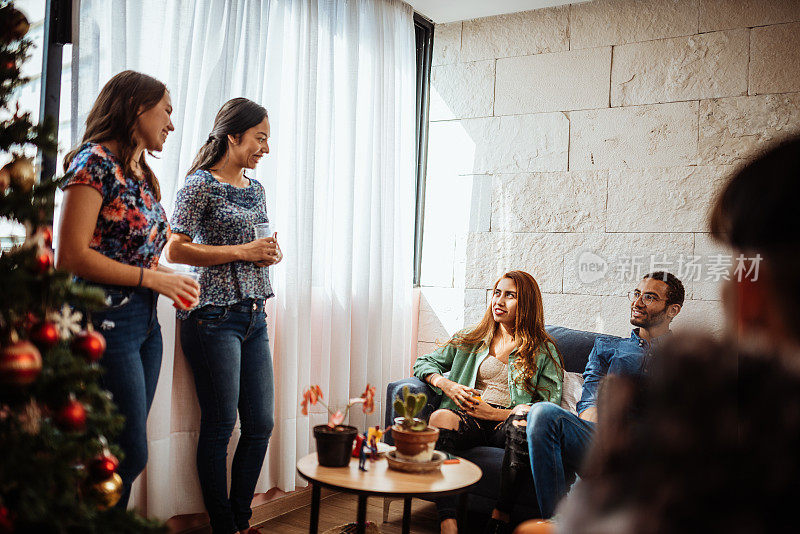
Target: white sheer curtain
338, 79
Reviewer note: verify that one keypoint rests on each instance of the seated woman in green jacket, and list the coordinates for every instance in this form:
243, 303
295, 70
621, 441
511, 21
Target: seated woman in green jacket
507, 360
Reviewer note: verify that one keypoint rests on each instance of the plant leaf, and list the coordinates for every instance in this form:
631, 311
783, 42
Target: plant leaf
399, 407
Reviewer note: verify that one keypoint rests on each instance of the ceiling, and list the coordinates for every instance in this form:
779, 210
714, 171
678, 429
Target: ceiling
440, 11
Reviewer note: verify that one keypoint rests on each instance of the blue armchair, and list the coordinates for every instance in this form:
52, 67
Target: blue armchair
574, 346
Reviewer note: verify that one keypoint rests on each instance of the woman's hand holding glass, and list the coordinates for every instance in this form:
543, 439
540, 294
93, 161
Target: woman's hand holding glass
460, 394
481, 410
262, 252
182, 289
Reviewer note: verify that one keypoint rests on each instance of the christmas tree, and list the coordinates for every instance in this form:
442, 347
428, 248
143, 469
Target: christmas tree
57, 458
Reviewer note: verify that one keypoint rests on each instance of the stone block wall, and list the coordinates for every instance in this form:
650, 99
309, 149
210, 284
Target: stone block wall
584, 144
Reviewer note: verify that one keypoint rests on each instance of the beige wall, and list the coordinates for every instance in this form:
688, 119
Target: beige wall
595, 132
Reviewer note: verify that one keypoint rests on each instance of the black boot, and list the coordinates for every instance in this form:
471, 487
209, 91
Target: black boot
495, 526
447, 440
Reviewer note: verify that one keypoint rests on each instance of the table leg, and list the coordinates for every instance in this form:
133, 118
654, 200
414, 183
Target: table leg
361, 520
313, 524
461, 513
407, 515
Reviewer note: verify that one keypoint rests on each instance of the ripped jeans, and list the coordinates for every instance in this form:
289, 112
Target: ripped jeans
516, 469
131, 364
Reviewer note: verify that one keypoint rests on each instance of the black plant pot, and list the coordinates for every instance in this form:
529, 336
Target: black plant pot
334, 446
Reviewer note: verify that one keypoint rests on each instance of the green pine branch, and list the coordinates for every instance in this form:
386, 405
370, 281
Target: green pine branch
20, 131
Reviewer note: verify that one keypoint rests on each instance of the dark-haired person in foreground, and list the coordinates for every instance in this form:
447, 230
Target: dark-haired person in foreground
557, 439
698, 445
225, 337
754, 215
711, 445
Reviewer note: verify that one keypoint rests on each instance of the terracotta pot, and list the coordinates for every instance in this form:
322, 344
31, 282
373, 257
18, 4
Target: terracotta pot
334, 446
414, 445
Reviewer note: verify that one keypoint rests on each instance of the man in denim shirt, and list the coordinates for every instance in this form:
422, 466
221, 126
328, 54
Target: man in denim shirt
558, 439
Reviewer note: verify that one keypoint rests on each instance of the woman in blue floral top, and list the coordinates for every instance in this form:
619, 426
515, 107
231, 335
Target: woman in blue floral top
112, 232
225, 337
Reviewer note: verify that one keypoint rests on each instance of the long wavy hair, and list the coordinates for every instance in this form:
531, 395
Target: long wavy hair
529, 332
113, 118
235, 117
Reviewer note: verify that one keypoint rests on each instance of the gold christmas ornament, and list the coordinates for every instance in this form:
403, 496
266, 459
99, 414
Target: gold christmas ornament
5, 180
22, 174
17, 25
106, 493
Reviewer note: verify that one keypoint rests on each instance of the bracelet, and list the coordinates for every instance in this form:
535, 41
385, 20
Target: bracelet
141, 276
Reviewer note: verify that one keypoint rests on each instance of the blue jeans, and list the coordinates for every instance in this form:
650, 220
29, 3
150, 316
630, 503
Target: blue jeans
228, 350
132, 362
557, 443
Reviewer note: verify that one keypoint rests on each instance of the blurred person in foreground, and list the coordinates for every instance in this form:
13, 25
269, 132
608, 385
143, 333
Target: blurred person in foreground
713, 443
754, 215
708, 442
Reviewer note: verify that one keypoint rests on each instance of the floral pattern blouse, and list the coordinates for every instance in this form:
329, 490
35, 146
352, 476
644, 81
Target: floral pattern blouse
215, 213
132, 227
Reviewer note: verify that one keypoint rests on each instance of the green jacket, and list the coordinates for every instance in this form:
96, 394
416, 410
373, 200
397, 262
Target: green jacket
463, 367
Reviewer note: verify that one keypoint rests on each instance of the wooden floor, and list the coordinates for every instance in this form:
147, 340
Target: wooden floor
341, 508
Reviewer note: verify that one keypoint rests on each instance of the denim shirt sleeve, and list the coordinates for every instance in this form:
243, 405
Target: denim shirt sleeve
596, 369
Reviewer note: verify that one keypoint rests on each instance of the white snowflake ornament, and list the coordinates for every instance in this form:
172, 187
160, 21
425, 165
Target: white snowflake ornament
67, 321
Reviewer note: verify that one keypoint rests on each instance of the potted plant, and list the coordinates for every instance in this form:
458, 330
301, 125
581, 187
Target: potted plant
335, 440
414, 439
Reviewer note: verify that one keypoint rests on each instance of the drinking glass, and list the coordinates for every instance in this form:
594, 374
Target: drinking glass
188, 274
262, 230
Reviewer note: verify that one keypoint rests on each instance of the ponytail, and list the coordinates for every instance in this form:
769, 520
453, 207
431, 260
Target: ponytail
211, 152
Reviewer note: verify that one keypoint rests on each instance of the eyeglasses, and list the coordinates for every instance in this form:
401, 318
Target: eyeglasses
647, 298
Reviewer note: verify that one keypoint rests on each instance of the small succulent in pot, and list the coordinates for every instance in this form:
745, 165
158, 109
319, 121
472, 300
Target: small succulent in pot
414, 438
407, 409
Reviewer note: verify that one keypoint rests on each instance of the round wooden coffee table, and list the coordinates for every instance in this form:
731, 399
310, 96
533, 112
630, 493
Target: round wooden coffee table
379, 480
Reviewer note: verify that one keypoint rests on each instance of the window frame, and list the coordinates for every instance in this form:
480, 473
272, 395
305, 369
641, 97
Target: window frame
423, 32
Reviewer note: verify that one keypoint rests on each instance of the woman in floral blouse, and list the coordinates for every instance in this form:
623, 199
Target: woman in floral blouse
225, 337
112, 232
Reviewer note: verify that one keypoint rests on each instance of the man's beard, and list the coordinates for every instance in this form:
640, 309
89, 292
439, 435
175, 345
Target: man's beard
649, 319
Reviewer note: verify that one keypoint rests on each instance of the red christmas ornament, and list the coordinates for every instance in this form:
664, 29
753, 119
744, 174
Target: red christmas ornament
20, 364
72, 416
47, 235
91, 344
43, 262
103, 466
6, 521
45, 335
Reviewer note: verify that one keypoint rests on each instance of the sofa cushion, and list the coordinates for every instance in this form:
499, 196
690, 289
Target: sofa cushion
573, 345
571, 391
